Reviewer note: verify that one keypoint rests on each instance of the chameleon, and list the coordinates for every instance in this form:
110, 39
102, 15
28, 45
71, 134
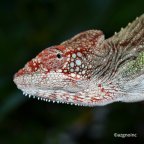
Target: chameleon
89, 70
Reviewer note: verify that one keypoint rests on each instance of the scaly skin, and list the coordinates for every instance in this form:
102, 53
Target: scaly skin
89, 70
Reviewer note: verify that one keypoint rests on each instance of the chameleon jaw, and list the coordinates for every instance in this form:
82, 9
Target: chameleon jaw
89, 94
64, 97
53, 101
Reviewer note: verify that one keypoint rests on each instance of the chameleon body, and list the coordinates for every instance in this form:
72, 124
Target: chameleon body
88, 69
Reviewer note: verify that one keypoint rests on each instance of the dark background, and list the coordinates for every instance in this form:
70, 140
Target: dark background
26, 28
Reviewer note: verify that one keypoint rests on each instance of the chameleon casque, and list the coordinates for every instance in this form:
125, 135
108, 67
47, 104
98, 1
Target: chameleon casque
88, 69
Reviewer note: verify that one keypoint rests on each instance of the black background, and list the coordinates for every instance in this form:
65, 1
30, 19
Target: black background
26, 28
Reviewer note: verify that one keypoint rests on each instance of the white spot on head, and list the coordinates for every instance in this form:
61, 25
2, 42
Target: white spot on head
78, 76
71, 70
83, 65
141, 46
79, 54
78, 62
90, 66
68, 58
83, 72
104, 60
72, 64
73, 75
80, 73
59, 70
74, 55
38, 60
77, 69
134, 49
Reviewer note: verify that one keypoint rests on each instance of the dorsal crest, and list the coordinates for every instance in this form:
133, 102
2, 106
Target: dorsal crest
87, 39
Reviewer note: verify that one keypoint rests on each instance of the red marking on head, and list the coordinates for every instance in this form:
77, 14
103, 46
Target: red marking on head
78, 99
102, 90
30, 67
60, 47
108, 93
94, 99
47, 60
20, 72
33, 66
81, 50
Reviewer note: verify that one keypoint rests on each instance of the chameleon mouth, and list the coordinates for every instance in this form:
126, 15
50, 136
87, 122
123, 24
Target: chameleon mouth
80, 97
55, 96
58, 95
62, 96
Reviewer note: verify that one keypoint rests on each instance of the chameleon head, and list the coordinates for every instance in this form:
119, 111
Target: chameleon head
61, 73
89, 70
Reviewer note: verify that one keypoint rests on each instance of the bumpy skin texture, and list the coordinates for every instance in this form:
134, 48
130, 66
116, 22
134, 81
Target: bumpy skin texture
89, 70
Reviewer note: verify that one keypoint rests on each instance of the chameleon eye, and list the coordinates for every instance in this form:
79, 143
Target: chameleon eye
59, 55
